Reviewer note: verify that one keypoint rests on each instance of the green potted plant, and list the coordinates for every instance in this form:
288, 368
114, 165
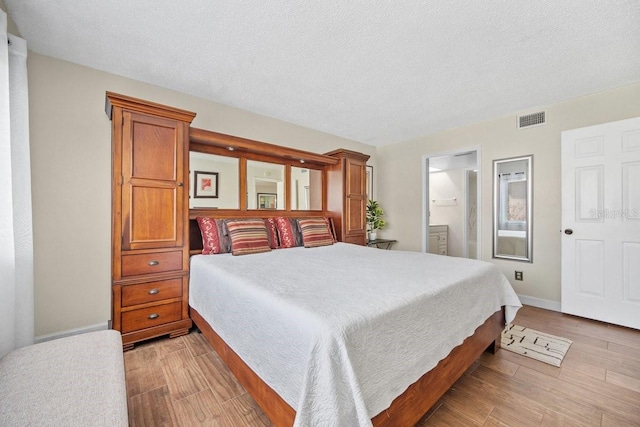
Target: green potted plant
375, 221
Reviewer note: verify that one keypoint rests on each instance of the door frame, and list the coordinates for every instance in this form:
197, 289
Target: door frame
465, 231
425, 196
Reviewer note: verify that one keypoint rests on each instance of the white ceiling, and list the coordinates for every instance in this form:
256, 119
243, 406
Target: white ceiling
372, 71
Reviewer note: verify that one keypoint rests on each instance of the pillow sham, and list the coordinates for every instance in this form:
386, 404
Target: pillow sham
332, 230
315, 232
272, 233
215, 239
248, 236
288, 232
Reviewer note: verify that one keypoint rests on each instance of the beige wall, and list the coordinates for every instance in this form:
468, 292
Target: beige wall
71, 175
400, 186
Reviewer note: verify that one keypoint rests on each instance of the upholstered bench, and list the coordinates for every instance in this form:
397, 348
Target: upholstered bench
72, 381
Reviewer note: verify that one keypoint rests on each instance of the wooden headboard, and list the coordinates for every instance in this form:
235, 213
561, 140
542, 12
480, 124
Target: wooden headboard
246, 149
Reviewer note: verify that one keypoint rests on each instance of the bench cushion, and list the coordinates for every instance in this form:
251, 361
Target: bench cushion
71, 381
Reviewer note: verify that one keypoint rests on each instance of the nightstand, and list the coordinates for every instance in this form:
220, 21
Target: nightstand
381, 243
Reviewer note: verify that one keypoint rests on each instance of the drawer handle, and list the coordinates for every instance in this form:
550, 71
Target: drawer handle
152, 263
153, 316
154, 291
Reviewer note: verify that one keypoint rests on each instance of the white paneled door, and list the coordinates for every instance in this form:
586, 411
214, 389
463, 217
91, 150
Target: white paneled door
601, 222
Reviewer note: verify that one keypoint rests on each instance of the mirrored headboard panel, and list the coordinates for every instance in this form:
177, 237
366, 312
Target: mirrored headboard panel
306, 189
265, 185
513, 208
230, 175
214, 181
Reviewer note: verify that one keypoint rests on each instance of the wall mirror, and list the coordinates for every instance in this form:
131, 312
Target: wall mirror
213, 181
306, 189
513, 208
265, 185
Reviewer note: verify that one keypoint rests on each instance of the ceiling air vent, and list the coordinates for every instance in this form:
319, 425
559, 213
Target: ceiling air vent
533, 119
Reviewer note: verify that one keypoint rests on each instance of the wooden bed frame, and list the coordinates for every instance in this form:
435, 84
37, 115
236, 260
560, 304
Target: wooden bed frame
405, 410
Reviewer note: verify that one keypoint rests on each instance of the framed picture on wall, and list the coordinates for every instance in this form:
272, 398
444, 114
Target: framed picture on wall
205, 185
267, 200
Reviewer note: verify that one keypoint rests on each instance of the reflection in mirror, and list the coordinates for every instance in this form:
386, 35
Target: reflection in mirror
512, 208
265, 185
306, 189
214, 181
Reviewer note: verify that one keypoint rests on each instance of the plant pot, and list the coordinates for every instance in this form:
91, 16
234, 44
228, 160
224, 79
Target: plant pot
373, 235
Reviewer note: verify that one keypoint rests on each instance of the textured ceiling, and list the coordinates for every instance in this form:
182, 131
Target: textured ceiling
372, 71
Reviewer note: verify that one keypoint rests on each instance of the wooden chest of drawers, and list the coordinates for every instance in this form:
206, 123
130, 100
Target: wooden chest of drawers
438, 239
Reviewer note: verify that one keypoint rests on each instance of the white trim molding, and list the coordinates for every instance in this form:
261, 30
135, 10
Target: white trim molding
540, 303
70, 332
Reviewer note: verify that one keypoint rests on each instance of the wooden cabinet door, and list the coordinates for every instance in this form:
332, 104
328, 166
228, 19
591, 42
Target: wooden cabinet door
153, 182
355, 203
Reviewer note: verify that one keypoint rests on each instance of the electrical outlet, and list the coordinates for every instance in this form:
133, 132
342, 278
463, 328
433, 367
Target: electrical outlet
518, 275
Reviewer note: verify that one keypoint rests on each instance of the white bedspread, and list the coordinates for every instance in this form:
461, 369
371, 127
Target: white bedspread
340, 331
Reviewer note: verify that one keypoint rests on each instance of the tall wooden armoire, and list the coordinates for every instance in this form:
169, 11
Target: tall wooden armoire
150, 208
346, 195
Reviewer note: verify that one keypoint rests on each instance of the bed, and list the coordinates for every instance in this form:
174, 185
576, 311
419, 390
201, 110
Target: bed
345, 334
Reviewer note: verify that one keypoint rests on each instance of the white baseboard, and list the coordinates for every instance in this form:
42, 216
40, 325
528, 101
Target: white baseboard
540, 303
70, 332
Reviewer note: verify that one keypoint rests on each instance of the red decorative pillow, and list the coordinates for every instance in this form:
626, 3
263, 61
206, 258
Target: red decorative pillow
272, 233
214, 238
248, 236
288, 232
315, 232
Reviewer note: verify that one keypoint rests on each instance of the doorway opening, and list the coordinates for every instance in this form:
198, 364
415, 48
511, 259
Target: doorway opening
451, 203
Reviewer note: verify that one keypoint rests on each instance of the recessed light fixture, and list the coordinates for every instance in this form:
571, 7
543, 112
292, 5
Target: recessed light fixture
230, 148
301, 160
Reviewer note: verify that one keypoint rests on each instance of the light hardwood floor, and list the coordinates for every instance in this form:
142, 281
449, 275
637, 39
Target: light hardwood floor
182, 382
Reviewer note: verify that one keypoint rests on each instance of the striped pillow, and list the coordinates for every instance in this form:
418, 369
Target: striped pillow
315, 232
327, 220
248, 236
